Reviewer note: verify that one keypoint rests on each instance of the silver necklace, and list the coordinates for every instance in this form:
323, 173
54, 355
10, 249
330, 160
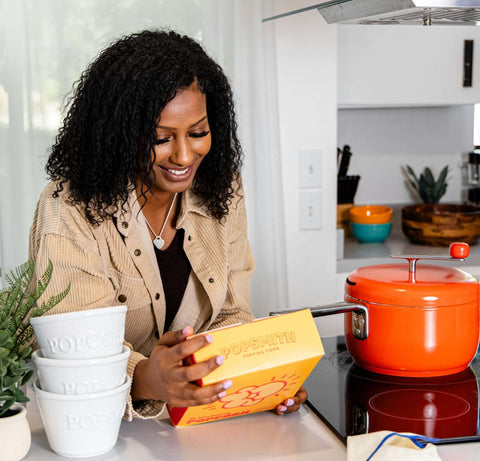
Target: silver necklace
158, 241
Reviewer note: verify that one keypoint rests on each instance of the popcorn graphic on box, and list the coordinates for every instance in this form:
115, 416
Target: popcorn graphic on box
267, 360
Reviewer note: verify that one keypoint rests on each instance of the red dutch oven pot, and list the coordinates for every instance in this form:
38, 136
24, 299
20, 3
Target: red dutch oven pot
404, 320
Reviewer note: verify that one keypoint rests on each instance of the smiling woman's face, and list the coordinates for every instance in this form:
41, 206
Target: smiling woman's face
183, 139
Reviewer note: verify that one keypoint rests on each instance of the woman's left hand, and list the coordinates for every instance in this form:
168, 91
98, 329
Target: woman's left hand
292, 404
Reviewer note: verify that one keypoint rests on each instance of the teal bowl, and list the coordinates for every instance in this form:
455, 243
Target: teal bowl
371, 233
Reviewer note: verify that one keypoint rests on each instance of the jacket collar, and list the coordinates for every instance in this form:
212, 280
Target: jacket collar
190, 203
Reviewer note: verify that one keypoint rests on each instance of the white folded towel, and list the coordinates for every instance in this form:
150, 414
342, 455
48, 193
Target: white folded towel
391, 446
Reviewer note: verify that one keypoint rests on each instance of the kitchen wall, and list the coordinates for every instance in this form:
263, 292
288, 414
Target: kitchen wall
384, 140
306, 58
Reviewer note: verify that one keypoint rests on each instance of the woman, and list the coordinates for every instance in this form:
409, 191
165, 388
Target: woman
146, 208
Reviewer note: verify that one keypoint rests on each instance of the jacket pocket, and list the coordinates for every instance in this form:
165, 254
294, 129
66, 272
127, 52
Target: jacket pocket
129, 290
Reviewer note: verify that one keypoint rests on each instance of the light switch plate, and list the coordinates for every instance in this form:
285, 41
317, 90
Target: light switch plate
310, 169
310, 210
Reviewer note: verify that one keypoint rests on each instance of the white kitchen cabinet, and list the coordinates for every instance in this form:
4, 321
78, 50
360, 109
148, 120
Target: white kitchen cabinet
398, 66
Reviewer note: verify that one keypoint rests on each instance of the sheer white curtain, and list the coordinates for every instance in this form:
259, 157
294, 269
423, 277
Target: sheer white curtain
44, 46
255, 79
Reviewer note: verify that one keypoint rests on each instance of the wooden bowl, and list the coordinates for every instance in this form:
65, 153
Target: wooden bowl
441, 224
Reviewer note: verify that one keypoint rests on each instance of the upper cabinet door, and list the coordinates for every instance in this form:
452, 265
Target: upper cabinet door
394, 66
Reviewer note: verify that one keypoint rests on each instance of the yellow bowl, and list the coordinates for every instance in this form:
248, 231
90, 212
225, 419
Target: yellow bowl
371, 214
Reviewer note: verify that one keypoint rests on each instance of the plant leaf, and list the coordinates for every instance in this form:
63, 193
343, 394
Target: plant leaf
412, 173
25, 353
4, 352
7, 404
4, 335
443, 174
27, 377
22, 398
429, 179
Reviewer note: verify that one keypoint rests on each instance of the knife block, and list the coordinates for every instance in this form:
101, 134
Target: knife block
343, 217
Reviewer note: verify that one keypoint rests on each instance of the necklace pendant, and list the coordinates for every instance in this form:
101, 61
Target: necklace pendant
158, 242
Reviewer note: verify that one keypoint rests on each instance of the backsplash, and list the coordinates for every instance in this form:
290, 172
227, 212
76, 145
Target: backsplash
383, 140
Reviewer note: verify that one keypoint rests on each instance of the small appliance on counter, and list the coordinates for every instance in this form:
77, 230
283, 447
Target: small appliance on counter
473, 176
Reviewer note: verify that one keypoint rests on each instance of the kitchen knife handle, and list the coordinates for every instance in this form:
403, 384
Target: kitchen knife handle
344, 162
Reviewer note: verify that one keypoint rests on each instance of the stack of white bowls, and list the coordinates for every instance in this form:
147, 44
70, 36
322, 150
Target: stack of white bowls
82, 383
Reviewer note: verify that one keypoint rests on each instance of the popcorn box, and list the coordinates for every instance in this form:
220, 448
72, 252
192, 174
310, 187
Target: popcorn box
267, 360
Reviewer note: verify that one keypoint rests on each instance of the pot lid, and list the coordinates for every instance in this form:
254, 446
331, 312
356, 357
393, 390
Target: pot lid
393, 284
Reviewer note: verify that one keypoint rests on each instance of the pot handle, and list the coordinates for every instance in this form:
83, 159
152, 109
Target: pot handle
359, 315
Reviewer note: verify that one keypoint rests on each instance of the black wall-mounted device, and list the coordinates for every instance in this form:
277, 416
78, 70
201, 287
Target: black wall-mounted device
467, 63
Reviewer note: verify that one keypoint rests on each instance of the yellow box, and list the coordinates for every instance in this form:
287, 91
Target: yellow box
267, 360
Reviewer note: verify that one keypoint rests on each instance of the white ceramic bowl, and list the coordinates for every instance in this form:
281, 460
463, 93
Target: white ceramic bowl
82, 425
82, 334
82, 376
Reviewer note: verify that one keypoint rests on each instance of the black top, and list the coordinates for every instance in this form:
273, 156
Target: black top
174, 269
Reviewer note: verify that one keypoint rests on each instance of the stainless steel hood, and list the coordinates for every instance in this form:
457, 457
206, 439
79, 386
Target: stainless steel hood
425, 12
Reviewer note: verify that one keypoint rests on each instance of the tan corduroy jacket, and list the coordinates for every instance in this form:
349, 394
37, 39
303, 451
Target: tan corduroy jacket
115, 263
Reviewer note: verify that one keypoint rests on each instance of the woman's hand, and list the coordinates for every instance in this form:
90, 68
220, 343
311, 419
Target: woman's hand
293, 404
163, 376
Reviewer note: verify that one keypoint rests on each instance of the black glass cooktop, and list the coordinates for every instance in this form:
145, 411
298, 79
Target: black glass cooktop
351, 400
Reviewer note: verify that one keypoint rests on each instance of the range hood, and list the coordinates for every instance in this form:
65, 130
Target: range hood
425, 12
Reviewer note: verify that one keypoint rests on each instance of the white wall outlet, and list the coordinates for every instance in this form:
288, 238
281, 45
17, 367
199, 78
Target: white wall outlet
310, 169
310, 210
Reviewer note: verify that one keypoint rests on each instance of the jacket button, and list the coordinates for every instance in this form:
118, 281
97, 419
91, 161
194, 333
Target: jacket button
137, 252
157, 295
124, 224
211, 280
122, 298
189, 237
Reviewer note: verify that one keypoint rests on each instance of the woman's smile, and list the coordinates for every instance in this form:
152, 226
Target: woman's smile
177, 174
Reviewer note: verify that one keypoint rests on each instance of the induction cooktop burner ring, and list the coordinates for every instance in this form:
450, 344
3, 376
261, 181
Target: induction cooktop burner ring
446, 401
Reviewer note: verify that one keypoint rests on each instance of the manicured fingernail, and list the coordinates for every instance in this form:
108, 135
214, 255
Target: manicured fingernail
289, 402
222, 394
220, 359
209, 338
227, 384
186, 330
283, 408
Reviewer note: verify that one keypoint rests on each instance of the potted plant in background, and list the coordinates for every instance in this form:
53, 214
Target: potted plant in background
429, 189
435, 224
18, 303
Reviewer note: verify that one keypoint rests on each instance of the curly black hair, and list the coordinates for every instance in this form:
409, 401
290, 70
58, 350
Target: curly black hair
108, 134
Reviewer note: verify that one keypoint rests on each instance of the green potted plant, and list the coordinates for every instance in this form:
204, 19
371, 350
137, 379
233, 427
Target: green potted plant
433, 223
429, 189
18, 303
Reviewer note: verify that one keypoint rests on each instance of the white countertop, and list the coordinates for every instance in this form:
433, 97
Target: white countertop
261, 436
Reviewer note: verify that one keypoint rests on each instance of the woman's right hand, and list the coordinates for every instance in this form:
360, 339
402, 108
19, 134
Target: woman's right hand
163, 376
